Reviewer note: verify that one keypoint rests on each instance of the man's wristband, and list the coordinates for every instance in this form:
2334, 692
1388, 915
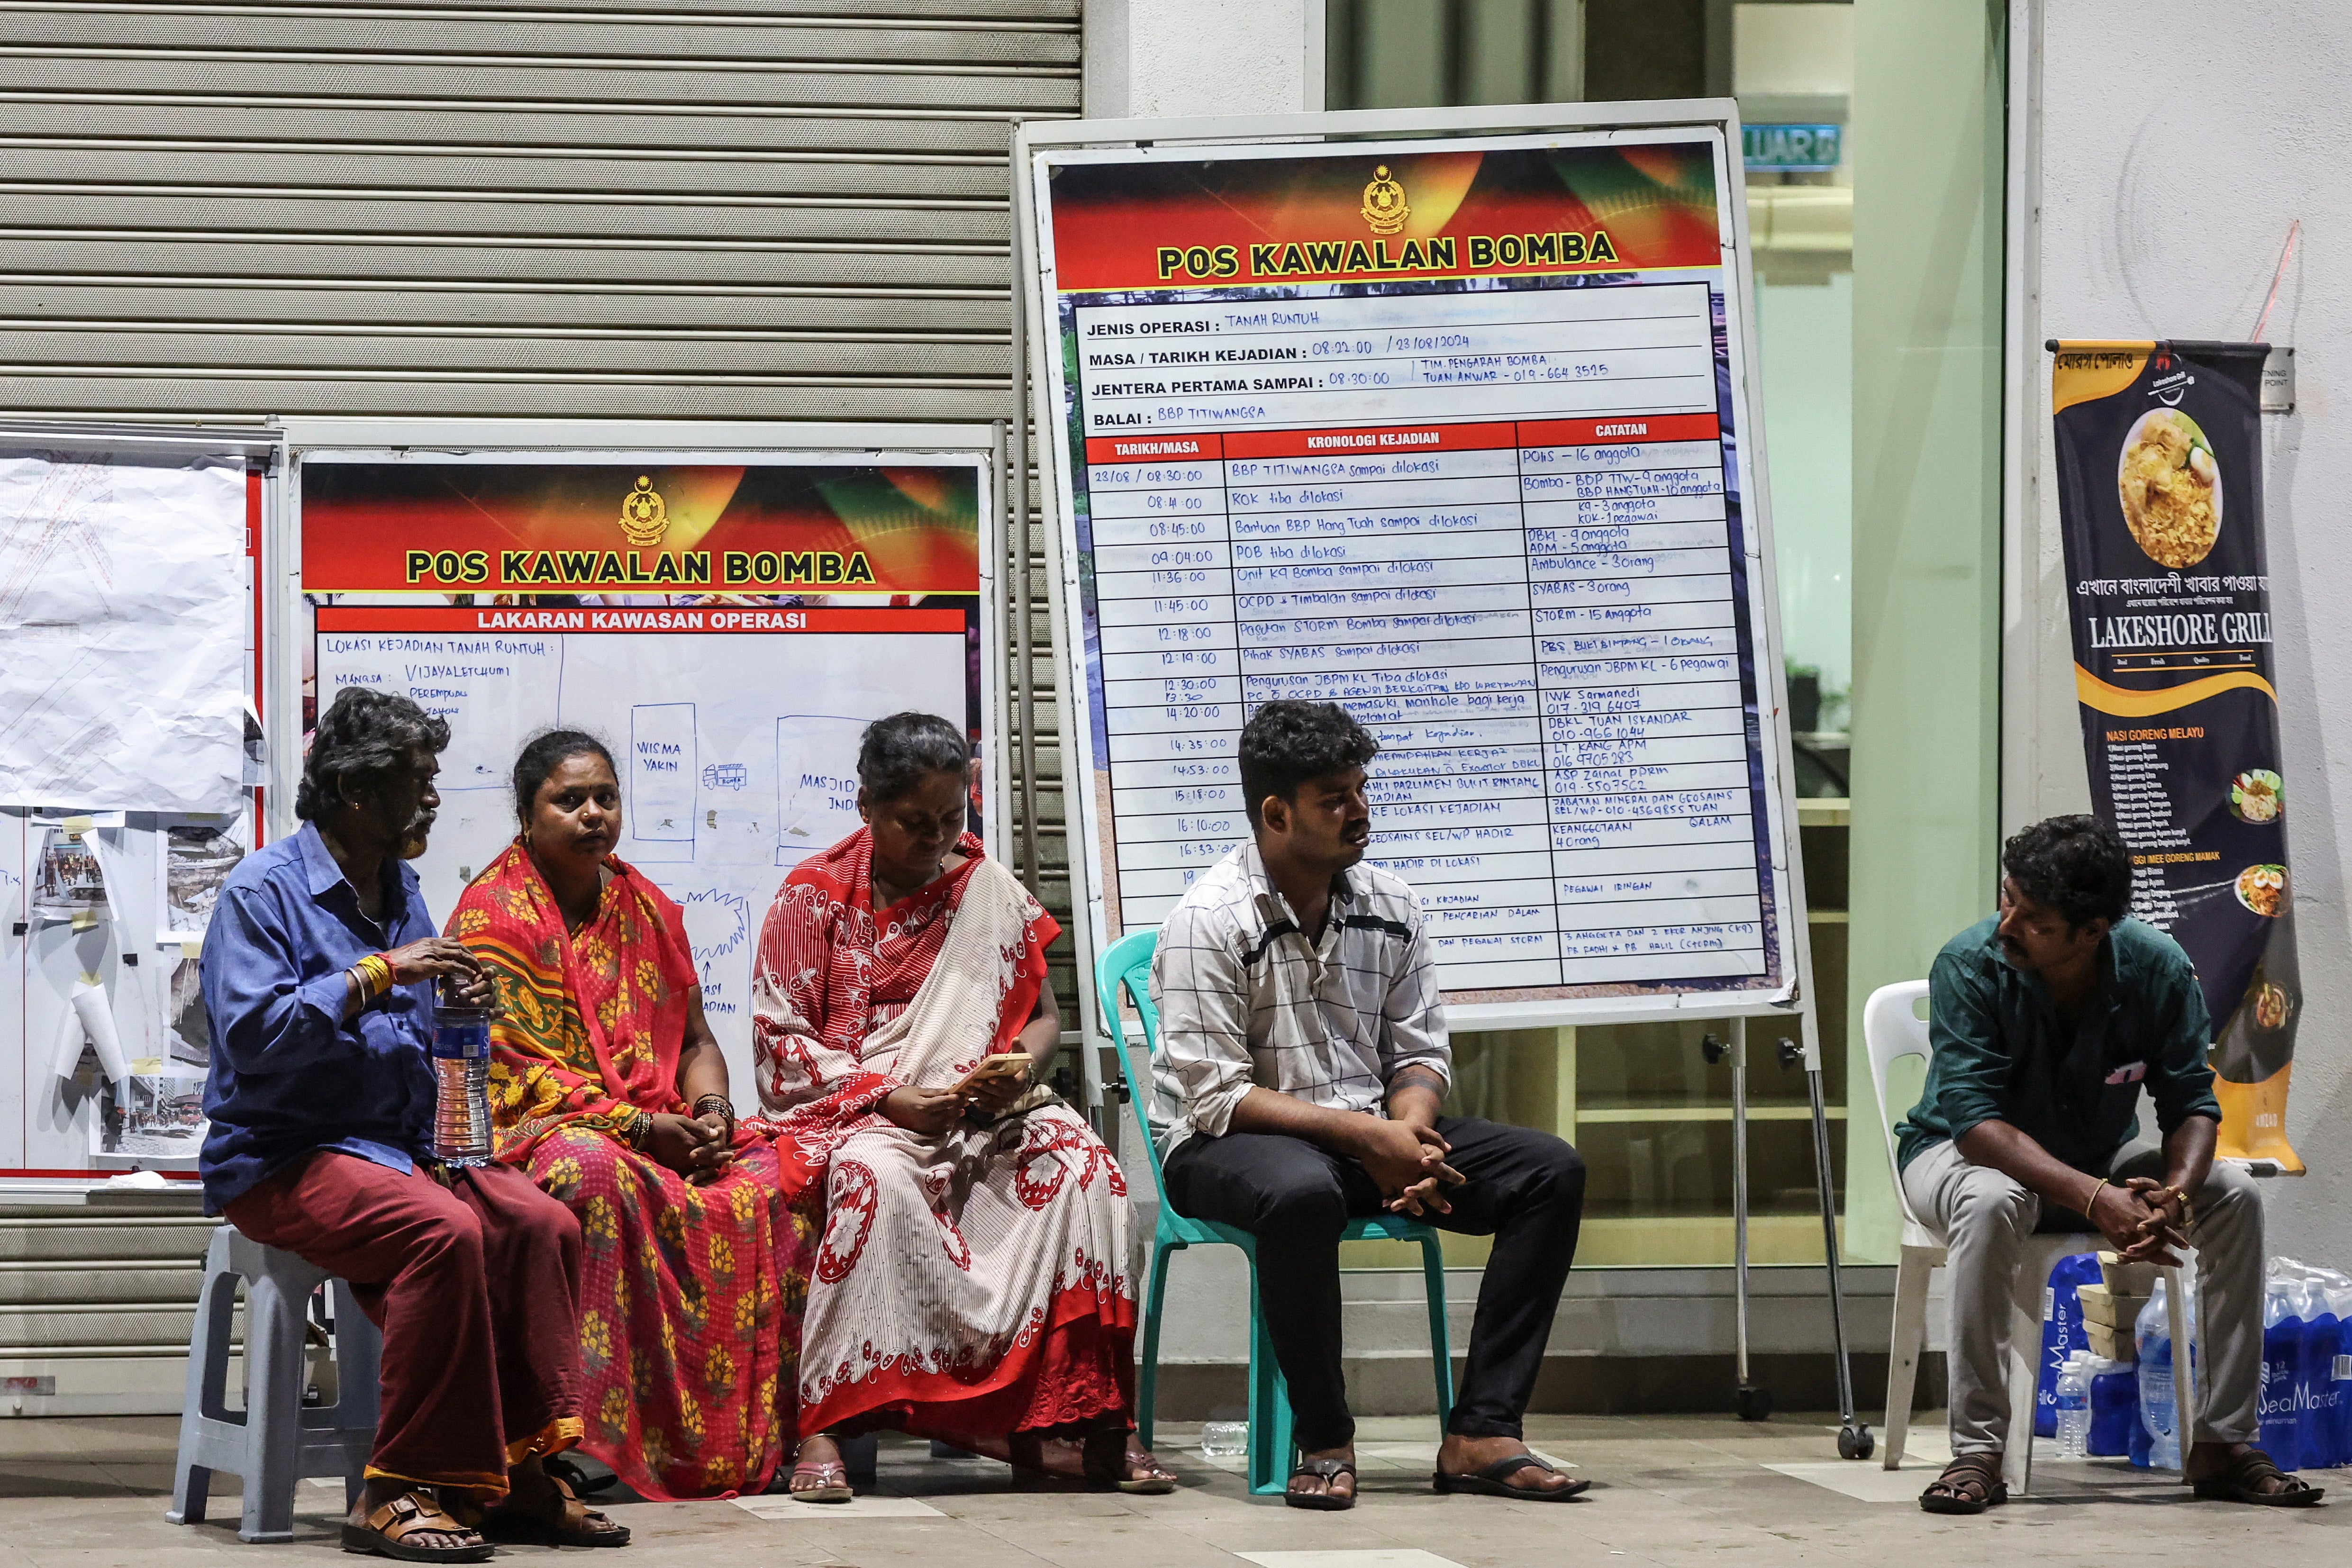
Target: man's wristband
373, 974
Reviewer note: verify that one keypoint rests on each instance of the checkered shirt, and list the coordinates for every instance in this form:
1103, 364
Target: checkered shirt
1245, 999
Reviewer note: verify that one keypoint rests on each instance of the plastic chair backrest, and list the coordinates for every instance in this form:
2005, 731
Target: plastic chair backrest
1891, 1029
1128, 962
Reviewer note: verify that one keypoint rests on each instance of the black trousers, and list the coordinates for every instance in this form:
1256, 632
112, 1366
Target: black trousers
1524, 1188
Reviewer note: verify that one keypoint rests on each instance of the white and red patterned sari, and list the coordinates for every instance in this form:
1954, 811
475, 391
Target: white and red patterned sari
971, 1283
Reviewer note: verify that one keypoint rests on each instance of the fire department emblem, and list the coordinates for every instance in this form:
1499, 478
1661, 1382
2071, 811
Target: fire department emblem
644, 516
1384, 206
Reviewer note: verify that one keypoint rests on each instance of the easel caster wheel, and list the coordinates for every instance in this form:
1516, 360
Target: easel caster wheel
1752, 1404
1855, 1443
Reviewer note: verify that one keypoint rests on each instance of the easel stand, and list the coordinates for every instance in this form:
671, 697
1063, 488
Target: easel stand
1751, 1400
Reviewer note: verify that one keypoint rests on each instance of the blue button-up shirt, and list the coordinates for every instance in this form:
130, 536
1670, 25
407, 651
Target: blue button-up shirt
289, 1073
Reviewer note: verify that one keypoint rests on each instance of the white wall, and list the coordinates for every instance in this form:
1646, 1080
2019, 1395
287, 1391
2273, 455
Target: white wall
1151, 58
2164, 199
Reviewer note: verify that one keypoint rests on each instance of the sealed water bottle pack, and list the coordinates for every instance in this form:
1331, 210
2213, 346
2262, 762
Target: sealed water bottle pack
2306, 1366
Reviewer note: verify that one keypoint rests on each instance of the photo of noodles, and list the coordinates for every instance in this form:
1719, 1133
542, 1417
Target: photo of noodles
2263, 889
2273, 1006
2171, 488
2257, 796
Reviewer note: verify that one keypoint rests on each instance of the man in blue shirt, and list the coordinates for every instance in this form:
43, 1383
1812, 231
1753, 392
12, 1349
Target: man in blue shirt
319, 969
2047, 1021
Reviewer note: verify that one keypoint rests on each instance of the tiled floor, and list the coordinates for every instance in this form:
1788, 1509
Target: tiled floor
1667, 1489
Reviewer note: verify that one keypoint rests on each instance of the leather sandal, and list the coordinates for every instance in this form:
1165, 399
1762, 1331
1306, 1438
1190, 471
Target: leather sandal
1326, 1471
2241, 1482
1489, 1481
1971, 1483
562, 1521
388, 1529
1109, 1467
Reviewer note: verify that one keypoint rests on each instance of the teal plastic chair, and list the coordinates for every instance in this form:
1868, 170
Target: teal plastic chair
1127, 963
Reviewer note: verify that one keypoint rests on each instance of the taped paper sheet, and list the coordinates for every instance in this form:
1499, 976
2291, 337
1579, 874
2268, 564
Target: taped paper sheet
96, 1018
122, 598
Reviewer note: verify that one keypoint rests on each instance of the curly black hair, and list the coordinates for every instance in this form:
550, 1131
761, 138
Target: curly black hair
2076, 865
540, 756
363, 737
897, 753
1284, 744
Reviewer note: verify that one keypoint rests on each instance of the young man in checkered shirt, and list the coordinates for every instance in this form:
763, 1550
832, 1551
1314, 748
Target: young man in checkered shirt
1301, 1062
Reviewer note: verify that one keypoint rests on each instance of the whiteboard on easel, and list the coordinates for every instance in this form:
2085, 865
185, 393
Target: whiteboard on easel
725, 607
1461, 431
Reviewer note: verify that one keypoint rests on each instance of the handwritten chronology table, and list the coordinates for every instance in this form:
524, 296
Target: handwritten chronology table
1445, 433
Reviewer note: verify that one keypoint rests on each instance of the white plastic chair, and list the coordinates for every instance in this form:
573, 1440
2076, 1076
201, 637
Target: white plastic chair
1892, 1029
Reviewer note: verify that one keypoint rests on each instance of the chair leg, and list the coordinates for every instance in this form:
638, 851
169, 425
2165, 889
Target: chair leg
273, 1415
1146, 1375
2024, 1380
1441, 1348
1269, 1405
2185, 1402
1902, 1347
207, 1375
359, 1371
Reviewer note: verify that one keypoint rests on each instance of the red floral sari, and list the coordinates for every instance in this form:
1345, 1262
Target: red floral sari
690, 1295
971, 1283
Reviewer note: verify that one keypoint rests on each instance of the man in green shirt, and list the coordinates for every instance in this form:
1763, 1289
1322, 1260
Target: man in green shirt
2047, 1021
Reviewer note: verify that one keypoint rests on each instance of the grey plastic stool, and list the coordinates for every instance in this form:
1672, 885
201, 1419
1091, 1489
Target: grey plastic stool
275, 1443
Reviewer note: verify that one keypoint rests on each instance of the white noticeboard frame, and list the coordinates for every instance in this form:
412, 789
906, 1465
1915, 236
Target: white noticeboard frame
976, 449
1193, 274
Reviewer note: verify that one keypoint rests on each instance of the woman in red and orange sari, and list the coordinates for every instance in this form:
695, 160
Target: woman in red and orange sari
609, 1090
972, 1285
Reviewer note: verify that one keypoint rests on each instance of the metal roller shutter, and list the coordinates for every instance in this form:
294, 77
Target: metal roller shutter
718, 209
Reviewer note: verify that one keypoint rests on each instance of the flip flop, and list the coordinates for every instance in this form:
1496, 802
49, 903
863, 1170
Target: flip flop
2248, 1471
1488, 1481
388, 1528
1326, 1471
832, 1477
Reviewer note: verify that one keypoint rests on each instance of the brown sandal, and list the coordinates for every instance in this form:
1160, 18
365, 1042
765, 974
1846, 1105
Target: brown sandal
387, 1529
1109, 1467
1971, 1483
2241, 1482
564, 1521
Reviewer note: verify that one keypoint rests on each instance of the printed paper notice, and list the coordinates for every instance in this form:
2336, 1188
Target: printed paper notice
122, 602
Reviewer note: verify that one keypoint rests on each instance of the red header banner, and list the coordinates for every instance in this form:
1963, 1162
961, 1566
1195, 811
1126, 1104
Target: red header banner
678, 530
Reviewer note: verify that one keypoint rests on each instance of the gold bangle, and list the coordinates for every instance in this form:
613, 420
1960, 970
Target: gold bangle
2093, 1201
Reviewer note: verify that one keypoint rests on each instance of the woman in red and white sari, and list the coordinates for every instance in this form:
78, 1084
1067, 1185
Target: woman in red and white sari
972, 1285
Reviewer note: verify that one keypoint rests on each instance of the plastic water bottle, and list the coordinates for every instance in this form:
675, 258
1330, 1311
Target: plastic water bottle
2115, 1409
2282, 1427
2153, 1334
2073, 1409
2339, 1287
461, 1082
2314, 1373
1224, 1439
2062, 1331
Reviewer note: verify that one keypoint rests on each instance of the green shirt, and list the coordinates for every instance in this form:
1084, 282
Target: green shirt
2002, 1054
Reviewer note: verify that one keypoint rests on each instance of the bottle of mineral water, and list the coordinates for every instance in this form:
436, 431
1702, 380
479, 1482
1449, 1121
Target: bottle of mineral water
461, 1080
2153, 1334
2074, 1407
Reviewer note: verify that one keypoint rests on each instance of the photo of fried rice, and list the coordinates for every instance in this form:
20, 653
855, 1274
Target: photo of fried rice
2171, 489
2263, 889
2257, 796
2273, 1006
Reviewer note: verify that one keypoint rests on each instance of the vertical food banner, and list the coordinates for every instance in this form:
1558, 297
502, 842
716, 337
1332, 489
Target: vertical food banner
2160, 502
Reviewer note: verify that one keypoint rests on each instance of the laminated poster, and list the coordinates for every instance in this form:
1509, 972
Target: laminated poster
2160, 502
68, 884
153, 1117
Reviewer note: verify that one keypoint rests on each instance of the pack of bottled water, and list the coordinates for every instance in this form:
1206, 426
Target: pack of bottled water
2306, 1378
